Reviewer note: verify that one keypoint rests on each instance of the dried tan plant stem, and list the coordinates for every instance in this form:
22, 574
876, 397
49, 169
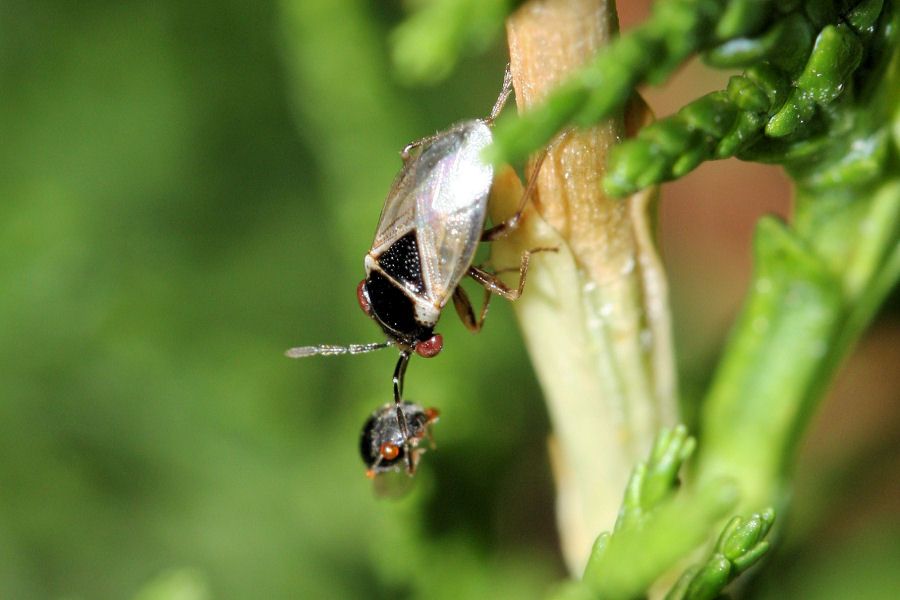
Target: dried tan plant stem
595, 313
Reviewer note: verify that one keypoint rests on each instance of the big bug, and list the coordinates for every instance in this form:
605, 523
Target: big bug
425, 241
384, 446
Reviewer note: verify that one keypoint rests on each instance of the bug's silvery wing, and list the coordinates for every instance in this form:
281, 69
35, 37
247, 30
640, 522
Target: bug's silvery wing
451, 204
441, 194
398, 215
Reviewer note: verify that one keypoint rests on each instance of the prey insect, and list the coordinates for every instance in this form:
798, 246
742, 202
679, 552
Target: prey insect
384, 446
425, 242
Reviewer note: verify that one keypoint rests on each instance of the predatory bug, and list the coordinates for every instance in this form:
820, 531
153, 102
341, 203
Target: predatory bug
385, 446
426, 238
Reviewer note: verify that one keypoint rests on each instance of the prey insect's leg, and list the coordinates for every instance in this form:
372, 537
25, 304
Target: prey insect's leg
502, 229
430, 437
412, 460
502, 98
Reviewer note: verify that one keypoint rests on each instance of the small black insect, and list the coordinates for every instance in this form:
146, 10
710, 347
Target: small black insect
383, 444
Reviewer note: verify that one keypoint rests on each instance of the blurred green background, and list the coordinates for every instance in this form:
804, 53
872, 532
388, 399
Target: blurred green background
187, 189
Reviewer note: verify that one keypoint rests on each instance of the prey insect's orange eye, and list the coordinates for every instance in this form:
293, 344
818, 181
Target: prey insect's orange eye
389, 451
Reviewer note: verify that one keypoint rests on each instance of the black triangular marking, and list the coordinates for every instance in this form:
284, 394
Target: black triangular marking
401, 261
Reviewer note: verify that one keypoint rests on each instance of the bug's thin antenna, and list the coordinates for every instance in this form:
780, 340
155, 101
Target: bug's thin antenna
329, 350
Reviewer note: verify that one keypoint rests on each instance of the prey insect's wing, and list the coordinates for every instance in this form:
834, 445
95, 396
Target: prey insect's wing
393, 484
440, 196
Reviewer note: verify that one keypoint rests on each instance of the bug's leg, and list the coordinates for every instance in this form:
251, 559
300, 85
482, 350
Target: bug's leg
502, 229
505, 90
406, 153
493, 285
464, 308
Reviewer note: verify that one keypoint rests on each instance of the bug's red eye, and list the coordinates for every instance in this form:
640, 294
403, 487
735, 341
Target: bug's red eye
389, 451
431, 346
432, 414
363, 298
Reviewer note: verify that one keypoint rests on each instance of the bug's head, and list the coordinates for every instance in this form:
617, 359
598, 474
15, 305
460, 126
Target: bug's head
406, 319
382, 444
